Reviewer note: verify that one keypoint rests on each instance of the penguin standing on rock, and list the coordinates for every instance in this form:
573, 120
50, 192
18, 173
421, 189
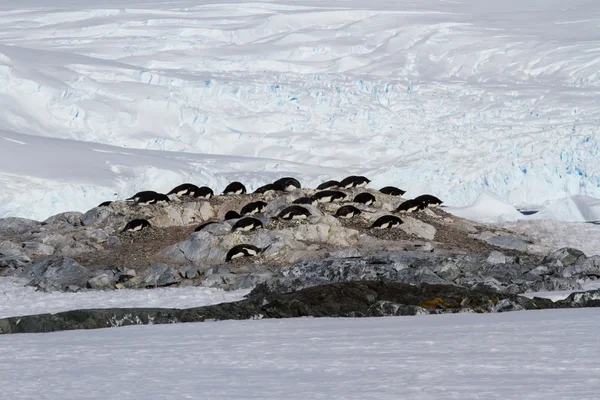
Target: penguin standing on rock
203, 192
287, 184
247, 224
105, 204
186, 189
328, 185
329, 196
149, 197
232, 215
392, 191
353, 182
364, 198
136, 225
235, 188
305, 200
269, 187
204, 225
253, 208
386, 222
410, 206
294, 212
243, 250
428, 200
347, 212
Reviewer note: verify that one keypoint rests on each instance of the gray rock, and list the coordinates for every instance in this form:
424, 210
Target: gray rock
586, 267
497, 257
52, 273
37, 249
17, 226
155, 275
565, 256
102, 281
417, 228
13, 263
66, 219
10, 248
503, 240
188, 271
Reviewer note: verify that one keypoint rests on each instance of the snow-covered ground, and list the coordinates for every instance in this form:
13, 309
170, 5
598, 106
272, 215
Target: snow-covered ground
100, 98
545, 355
17, 299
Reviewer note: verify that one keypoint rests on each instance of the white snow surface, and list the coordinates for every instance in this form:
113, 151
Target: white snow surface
17, 299
533, 355
102, 98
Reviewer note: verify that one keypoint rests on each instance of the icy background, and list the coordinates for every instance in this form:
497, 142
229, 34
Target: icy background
100, 99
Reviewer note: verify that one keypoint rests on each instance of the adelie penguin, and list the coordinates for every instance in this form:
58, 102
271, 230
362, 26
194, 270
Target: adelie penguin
235, 188
269, 187
328, 185
149, 197
347, 212
305, 200
428, 200
410, 206
204, 225
353, 182
203, 192
185, 189
392, 191
247, 224
243, 250
386, 222
232, 215
105, 204
364, 198
287, 184
136, 225
253, 208
293, 212
329, 196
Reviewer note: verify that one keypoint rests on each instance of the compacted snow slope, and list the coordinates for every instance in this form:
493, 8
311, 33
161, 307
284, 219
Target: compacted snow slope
444, 97
545, 355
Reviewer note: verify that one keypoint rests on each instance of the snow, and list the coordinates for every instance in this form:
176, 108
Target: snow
518, 355
17, 299
562, 294
440, 97
488, 207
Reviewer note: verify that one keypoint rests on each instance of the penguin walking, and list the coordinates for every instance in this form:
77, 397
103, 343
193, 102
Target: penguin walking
328, 185
235, 188
185, 189
353, 182
294, 212
204, 225
329, 196
428, 200
386, 222
136, 225
305, 200
243, 250
287, 184
410, 206
247, 224
232, 215
392, 191
149, 197
347, 212
253, 208
364, 198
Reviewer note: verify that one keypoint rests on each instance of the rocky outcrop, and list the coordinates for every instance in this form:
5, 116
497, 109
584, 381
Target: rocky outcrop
56, 273
349, 299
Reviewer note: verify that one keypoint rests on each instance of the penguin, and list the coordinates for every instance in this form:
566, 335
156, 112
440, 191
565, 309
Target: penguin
305, 200
328, 185
203, 192
253, 208
428, 200
329, 196
392, 191
247, 224
136, 225
347, 212
204, 225
287, 184
232, 215
105, 204
294, 212
149, 197
353, 182
235, 188
364, 198
386, 222
243, 250
185, 189
269, 187
410, 206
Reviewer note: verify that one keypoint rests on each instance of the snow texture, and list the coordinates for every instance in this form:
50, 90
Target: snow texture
102, 98
17, 299
533, 355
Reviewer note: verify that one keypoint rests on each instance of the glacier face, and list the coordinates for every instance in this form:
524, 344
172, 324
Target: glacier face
437, 97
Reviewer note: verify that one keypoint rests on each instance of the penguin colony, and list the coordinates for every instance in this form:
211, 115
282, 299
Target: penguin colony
327, 192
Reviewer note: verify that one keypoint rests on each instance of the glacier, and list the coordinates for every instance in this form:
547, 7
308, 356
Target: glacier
441, 97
